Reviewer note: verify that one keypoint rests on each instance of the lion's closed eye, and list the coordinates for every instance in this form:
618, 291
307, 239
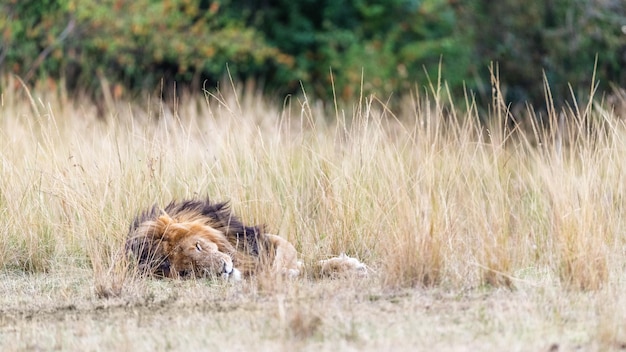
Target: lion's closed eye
198, 247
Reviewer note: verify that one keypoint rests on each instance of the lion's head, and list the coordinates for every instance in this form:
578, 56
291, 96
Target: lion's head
195, 249
167, 247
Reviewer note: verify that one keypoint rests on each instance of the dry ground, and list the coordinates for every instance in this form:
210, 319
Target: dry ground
57, 312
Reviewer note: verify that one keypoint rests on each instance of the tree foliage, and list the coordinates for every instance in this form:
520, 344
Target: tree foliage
282, 43
558, 38
390, 46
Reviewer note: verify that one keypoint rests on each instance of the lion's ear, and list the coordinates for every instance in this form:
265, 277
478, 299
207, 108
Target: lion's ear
162, 227
165, 220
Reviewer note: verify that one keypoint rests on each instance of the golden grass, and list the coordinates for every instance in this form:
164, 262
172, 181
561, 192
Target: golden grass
428, 196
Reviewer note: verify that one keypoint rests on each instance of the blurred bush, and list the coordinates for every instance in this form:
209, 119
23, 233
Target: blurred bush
389, 44
559, 37
136, 43
281, 43
392, 45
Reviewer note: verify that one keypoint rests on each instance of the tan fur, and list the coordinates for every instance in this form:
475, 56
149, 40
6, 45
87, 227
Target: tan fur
342, 265
286, 257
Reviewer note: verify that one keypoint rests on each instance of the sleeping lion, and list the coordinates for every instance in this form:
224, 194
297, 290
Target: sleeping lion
198, 238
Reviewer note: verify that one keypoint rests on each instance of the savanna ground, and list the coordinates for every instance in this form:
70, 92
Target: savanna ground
479, 235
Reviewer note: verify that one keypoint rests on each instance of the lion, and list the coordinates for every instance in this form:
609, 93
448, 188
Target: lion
198, 238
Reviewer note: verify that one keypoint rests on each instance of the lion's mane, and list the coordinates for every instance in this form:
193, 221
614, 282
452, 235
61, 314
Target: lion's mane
148, 235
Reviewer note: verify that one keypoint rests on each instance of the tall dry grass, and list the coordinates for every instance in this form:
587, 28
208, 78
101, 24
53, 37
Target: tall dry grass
428, 194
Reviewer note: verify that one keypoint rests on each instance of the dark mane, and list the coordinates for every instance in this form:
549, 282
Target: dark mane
223, 219
142, 244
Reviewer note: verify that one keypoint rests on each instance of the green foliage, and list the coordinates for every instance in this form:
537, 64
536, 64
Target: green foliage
390, 46
386, 43
143, 41
137, 43
27, 31
560, 37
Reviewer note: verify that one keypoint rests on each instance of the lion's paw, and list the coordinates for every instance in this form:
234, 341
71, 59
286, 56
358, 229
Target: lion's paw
291, 273
343, 265
229, 272
234, 275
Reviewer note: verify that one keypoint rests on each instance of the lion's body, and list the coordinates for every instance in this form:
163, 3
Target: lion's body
201, 238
